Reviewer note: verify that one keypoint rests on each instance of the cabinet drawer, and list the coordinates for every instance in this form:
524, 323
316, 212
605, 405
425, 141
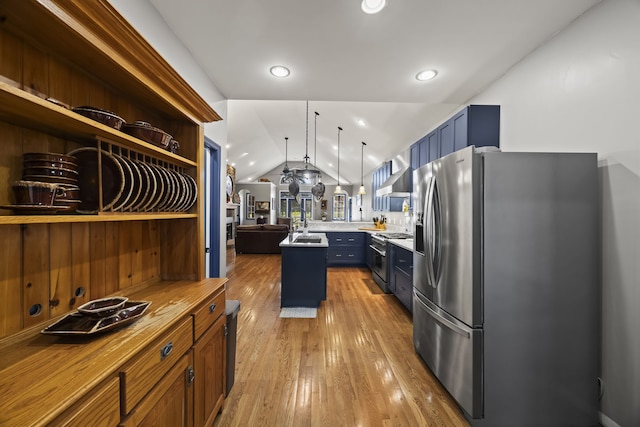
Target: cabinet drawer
345, 239
404, 260
207, 314
345, 255
141, 374
404, 289
167, 404
101, 407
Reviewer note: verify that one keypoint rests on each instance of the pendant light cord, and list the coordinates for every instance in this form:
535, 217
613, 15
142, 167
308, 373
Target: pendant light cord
339, 129
362, 165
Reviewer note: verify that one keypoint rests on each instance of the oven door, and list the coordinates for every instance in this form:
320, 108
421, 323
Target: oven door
379, 266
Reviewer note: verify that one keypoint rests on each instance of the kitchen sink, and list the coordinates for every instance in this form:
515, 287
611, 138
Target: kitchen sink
307, 239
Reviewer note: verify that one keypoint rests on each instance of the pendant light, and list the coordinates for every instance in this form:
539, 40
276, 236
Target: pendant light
362, 191
338, 188
318, 189
308, 174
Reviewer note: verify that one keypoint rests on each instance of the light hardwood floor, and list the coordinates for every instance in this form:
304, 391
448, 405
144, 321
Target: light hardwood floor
353, 365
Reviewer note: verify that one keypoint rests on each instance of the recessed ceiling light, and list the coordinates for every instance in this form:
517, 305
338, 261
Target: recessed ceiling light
426, 75
279, 71
373, 6
361, 122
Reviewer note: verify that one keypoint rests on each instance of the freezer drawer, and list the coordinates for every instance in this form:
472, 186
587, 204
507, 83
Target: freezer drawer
453, 352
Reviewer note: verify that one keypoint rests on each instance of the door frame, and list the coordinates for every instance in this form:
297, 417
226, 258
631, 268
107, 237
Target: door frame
213, 172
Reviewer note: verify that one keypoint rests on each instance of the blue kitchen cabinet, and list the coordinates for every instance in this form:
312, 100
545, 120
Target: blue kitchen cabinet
346, 249
384, 203
401, 275
368, 256
304, 276
477, 125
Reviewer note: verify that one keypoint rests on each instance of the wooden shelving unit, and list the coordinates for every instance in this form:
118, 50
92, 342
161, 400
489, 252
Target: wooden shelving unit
83, 53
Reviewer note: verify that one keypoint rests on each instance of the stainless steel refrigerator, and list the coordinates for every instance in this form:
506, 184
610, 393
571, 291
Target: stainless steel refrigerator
506, 284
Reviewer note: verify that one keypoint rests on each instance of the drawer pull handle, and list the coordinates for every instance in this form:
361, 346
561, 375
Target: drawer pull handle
212, 308
352, 240
338, 240
166, 350
192, 375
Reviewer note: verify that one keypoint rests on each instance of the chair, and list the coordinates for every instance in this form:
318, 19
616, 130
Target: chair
287, 221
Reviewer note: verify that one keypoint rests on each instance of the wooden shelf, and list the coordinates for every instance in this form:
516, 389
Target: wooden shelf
25, 109
103, 217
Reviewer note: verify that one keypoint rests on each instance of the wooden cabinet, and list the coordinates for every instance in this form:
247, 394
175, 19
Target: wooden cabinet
100, 408
68, 53
152, 363
209, 354
209, 366
346, 249
97, 59
168, 402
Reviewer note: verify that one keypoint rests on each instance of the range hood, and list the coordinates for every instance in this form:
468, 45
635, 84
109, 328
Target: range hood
397, 185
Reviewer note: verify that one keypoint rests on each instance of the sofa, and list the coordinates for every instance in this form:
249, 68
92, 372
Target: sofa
260, 239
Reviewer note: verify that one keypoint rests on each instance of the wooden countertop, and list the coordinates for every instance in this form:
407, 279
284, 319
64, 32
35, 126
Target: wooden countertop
42, 375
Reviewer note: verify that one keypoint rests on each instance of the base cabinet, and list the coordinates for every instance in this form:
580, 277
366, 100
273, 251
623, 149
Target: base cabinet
100, 408
209, 368
346, 249
401, 275
167, 404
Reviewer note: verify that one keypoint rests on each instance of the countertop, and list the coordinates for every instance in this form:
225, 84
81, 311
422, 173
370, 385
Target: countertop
324, 242
403, 243
42, 375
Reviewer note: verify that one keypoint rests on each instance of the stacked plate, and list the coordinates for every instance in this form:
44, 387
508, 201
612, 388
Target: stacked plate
131, 185
58, 169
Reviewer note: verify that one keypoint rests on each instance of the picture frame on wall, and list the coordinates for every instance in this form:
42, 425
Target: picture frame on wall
262, 207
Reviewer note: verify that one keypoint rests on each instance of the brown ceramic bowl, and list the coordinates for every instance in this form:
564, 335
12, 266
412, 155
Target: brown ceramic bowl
49, 157
103, 307
102, 116
34, 193
148, 133
57, 172
48, 164
59, 180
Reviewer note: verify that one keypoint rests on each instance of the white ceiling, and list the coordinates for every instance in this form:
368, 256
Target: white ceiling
351, 66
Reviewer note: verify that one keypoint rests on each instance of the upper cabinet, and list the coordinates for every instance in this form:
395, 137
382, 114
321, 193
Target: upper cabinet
477, 125
56, 55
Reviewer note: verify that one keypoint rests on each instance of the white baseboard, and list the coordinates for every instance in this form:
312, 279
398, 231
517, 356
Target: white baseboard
606, 421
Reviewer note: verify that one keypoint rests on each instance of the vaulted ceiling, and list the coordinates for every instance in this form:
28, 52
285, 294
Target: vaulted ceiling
352, 66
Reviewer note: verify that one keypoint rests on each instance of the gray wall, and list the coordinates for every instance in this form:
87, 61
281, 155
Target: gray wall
580, 92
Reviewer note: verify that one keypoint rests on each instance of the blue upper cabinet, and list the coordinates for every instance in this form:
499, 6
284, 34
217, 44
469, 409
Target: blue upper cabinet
477, 125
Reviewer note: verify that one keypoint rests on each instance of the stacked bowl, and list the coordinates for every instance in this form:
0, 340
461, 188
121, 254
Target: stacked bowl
58, 169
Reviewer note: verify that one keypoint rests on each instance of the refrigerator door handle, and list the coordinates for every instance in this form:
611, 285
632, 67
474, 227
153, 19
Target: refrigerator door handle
440, 318
437, 233
428, 232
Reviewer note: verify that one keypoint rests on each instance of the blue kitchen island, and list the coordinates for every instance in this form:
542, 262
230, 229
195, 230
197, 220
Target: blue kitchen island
304, 270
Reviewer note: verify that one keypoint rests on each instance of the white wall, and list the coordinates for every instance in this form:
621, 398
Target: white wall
580, 92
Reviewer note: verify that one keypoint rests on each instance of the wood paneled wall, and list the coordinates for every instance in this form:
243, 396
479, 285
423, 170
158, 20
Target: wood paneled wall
50, 269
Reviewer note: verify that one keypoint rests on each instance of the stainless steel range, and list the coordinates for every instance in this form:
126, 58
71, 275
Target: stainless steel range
379, 263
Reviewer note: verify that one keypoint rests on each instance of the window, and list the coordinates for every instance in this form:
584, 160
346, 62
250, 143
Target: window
289, 206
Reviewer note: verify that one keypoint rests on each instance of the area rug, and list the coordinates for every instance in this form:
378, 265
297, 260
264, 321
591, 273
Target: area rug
299, 312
